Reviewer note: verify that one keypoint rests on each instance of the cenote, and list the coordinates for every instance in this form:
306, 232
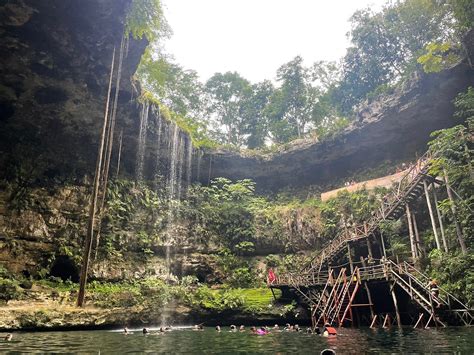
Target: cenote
186, 341
136, 192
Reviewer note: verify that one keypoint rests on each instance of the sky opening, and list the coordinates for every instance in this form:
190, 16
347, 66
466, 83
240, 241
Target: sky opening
255, 37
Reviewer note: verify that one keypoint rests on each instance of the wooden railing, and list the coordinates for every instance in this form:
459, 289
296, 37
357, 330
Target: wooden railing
389, 204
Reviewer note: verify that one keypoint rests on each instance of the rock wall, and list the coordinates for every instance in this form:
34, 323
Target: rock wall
56, 56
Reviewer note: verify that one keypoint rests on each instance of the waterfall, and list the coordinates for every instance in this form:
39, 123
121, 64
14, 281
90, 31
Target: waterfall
189, 162
159, 124
198, 165
179, 180
142, 141
174, 156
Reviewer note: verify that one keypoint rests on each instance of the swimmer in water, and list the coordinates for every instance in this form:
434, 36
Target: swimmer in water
145, 331
242, 328
8, 337
233, 328
125, 330
328, 330
218, 328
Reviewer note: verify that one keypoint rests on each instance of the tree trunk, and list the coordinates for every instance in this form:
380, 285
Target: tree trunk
430, 209
453, 210
440, 220
410, 231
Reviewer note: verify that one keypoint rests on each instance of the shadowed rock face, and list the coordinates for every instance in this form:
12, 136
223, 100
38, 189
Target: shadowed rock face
56, 57
394, 127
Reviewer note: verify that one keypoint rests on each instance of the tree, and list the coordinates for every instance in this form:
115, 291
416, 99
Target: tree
295, 97
386, 45
463, 11
177, 88
227, 94
145, 18
254, 111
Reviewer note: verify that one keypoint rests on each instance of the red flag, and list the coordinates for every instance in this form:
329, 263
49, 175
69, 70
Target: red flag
271, 276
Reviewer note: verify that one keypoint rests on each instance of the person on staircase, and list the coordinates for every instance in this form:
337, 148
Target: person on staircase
434, 290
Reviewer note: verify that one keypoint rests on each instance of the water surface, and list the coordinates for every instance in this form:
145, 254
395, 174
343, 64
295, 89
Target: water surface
186, 341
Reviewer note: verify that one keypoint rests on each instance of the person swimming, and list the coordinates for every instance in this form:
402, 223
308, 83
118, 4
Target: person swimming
242, 328
125, 330
329, 331
218, 328
145, 331
8, 337
262, 331
233, 328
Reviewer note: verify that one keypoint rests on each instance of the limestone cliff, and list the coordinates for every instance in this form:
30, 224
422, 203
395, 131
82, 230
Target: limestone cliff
56, 56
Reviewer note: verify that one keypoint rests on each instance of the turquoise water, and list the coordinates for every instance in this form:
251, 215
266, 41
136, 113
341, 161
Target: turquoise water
186, 341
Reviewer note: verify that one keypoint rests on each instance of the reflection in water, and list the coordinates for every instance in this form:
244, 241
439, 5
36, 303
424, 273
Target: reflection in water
186, 341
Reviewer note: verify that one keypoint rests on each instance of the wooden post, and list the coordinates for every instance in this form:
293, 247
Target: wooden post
440, 220
373, 321
349, 256
410, 231
382, 245
369, 249
395, 303
420, 317
369, 297
430, 209
419, 246
92, 208
453, 210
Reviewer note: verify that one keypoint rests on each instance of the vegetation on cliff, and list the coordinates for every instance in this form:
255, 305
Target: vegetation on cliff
318, 100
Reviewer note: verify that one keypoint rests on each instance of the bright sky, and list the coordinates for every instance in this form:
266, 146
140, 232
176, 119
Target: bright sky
255, 37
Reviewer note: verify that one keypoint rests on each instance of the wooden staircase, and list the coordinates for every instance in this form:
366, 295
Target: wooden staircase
444, 307
336, 299
392, 207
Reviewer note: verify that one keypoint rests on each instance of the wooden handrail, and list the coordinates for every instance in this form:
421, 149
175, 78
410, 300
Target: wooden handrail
408, 182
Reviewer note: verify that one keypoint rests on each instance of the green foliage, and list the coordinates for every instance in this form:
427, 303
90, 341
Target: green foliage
8, 290
216, 300
308, 101
244, 248
439, 56
242, 277
145, 19
227, 94
125, 216
292, 102
387, 44
463, 12
454, 274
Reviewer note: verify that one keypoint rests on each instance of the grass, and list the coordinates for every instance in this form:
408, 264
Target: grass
257, 297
